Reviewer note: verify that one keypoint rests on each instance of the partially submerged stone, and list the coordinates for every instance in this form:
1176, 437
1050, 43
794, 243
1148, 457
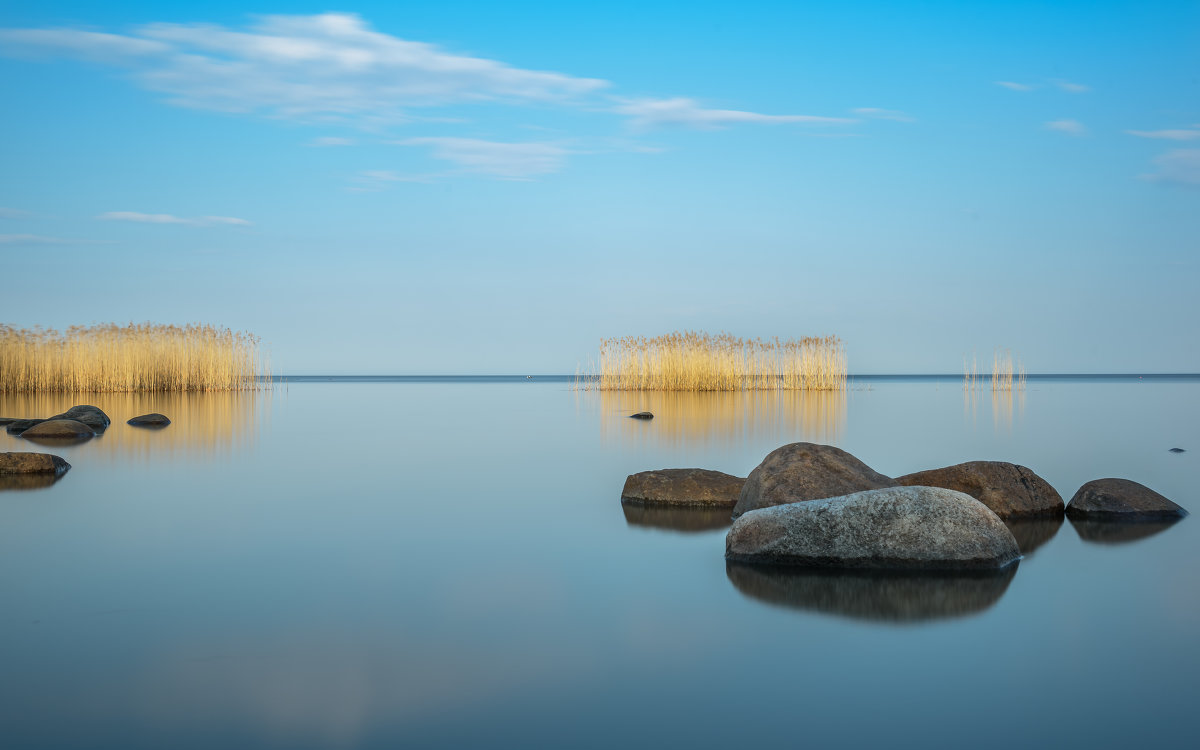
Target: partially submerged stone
92, 416
683, 487
1009, 490
1121, 499
17, 426
642, 415
914, 528
806, 471
59, 429
150, 420
23, 462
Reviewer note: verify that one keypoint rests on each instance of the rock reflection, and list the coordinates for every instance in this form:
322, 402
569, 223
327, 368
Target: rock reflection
879, 596
203, 423
725, 418
1032, 533
1120, 532
28, 481
676, 519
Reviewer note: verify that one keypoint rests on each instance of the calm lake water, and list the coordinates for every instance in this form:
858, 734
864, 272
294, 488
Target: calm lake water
427, 562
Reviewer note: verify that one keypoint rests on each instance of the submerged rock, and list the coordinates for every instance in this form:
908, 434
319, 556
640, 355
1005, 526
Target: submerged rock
17, 426
92, 416
642, 415
59, 429
1121, 499
683, 487
676, 517
1177, 450
806, 471
897, 527
22, 462
150, 420
1007, 489
881, 596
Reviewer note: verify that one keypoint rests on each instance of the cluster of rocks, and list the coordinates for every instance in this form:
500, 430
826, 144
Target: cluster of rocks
22, 470
817, 506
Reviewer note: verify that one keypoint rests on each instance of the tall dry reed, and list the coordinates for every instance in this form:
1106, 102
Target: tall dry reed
1007, 375
133, 358
692, 361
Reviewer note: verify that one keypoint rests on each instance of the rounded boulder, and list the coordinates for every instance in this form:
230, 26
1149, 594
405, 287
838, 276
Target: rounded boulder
1008, 489
59, 429
149, 420
806, 471
1121, 499
701, 487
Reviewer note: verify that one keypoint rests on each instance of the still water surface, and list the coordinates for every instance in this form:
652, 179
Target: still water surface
431, 562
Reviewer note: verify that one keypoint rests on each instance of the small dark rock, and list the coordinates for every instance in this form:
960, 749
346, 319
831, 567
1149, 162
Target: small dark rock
149, 420
1177, 450
17, 426
683, 487
642, 415
1119, 500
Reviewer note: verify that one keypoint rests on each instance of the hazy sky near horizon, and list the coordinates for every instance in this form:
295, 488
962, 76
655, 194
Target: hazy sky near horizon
481, 187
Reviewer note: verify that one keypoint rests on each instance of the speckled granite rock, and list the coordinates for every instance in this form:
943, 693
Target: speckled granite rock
806, 471
1007, 489
683, 487
20, 462
897, 527
1121, 499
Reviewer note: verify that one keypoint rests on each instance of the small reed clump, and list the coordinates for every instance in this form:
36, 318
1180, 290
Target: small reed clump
1006, 376
692, 361
134, 358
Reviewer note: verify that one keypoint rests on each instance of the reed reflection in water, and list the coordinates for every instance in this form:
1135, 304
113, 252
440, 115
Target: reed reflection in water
202, 424
723, 418
881, 596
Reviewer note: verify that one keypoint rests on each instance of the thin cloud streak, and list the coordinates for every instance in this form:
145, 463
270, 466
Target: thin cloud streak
681, 111
1179, 167
142, 218
513, 161
1068, 127
1012, 86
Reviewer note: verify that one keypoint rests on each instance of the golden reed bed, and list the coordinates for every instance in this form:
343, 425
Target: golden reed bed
692, 361
134, 358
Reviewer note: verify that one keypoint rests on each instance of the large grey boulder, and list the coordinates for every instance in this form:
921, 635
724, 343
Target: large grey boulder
683, 487
92, 416
59, 429
898, 527
806, 471
20, 462
1008, 489
1121, 499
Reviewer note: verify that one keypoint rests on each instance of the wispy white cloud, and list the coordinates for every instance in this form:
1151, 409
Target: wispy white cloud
201, 221
1011, 86
331, 65
681, 111
514, 161
1074, 88
14, 213
1168, 135
874, 113
1069, 127
1179, 167
332, 141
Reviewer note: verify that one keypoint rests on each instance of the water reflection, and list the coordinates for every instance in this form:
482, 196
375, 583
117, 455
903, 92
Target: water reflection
1120, 532
676, 519
202, 423
28, 481
1032, 533
880, 596
724, 418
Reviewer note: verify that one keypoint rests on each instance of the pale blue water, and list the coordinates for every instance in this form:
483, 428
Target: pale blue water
438, 562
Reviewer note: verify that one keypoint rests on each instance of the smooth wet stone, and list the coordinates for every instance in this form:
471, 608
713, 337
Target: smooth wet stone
1008, 489
1177, 450
642, 415
898, 527
806, 471
683, 487
17, 426
150, 420
59, 429
876, 596
680, 518
1120, 499
92, 416
25, 462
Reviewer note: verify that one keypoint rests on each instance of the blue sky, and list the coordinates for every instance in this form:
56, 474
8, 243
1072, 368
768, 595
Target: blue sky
481, 187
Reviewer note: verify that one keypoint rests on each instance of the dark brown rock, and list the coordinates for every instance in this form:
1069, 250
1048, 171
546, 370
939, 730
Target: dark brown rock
59, 429
149, 420
1008, 489
21, 462
906, 528
92, 416
17, 426
683, 487
1121, 499
642, 415
806, 471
